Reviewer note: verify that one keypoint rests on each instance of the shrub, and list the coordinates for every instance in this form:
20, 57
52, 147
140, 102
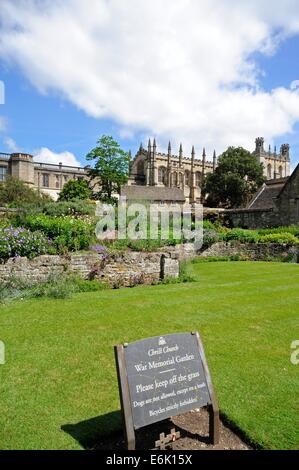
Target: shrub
14, 192
293, 229
281, 238
75, 189
67, 233
60, 287
210, 237
22, 242
241, 235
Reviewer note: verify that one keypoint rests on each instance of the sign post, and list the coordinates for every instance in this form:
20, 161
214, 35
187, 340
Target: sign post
161, 377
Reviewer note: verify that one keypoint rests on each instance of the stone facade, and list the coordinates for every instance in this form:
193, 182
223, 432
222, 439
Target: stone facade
151, 168
117, 270
275, 165
276, 204
46, 177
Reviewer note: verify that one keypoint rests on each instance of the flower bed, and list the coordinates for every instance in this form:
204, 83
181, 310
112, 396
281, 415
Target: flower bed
21, 242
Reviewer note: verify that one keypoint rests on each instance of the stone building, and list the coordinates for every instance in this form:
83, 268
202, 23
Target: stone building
152, 168
149, 168
275, 204
48, 178
275, 165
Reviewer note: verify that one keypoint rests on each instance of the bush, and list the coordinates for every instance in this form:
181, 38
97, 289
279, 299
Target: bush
281, 238
60, 287
210, 237
75, 208
241, 235
22, 242
67, 233
14, 193
293, 229
75, 189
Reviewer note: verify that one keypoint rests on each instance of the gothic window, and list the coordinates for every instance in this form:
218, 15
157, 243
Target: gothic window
140, 168
181, 180
162, 175
269, 171
174, 179
3, 171
280, 171
45, 180
198, 178
187, 178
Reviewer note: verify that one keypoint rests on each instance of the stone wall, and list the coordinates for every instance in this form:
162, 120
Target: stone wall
126, 269
251, 218
253, 251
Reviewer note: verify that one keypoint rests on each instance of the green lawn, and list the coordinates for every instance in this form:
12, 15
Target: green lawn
60, 371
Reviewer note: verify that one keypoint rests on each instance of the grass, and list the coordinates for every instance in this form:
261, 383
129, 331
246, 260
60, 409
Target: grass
58, 388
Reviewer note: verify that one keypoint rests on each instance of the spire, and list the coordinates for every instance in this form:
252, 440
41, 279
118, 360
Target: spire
275, 150
180, 155
214, 160
169, 148
129, 155
193, 154
154, 144
140, 148
204, 153
149, 146
269, 149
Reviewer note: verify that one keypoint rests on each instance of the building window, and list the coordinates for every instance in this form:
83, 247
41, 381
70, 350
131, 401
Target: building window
45, 180
198, 178
162, 175
57, 182
3, 172
269, 171
187, 178
280, 171
174, 179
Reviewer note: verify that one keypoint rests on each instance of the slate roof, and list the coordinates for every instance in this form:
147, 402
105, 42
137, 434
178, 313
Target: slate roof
264, 198
153, 193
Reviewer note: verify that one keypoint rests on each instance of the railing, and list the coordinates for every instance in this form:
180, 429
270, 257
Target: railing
53, 166
4, 155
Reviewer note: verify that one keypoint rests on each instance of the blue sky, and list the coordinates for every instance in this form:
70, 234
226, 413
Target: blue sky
212, 90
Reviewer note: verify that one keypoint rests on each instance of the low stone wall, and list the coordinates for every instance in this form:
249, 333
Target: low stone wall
251, 218
253, 251
117, 270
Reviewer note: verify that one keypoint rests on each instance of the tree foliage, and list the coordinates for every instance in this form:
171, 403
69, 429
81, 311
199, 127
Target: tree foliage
14, 193
235, 180
75, 189
111, 167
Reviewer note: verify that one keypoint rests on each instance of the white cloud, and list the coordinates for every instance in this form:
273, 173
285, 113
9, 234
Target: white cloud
46, 155
11, 145
179, 69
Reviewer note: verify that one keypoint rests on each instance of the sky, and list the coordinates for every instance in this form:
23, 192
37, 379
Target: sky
208, 73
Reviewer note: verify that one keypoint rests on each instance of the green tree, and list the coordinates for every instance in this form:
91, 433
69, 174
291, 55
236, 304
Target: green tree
235, 180
75, 189
15, 193
111, 167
